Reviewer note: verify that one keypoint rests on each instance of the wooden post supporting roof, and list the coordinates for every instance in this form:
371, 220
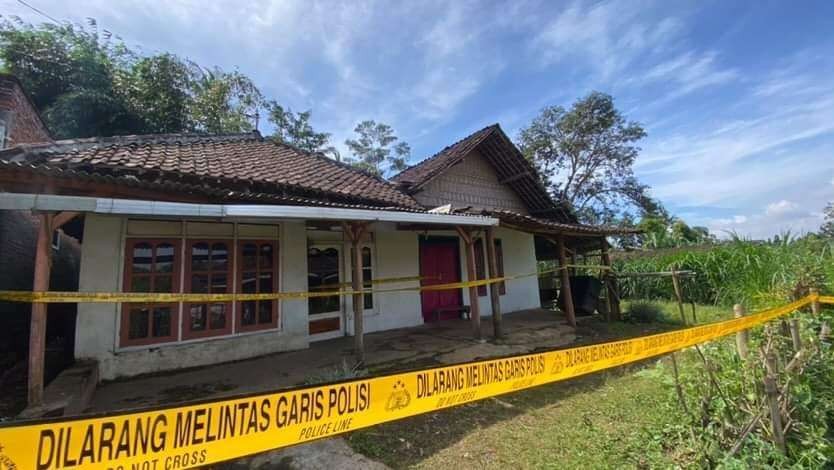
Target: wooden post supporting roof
567, 295
494, 288
48, 223
355, 231
612, 296
471, 275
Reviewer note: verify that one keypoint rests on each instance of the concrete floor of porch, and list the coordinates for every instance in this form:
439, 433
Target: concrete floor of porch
445, 342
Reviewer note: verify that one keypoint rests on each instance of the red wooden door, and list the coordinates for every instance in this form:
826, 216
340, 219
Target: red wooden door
440, 264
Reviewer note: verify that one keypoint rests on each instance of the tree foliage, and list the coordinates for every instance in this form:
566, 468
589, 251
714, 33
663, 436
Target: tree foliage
827, 227
376, 149
586, 154
295, 129
86, 82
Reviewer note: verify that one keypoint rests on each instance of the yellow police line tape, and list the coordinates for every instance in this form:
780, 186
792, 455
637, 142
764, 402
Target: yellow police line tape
160, 297
213, 431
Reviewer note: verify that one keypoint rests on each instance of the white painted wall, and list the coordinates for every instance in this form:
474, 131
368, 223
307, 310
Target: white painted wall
396, 254
97, 324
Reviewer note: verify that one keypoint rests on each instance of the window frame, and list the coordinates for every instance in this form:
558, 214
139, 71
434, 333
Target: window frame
127, 278
276, 275
187, 263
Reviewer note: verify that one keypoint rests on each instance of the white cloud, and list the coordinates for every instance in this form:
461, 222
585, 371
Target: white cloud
781, 208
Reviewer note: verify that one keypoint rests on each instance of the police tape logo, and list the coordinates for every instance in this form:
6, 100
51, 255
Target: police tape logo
5, 462
558, 364
399, 398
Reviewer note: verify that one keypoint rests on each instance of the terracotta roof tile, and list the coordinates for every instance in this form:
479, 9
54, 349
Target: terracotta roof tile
235, 162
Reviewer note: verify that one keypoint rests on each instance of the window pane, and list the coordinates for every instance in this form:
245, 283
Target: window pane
138, 327
369, 301
217, 316
218, 283
266, 256
265, 311
249, 254
265, 282
140, 284
198, 317
247, 314
366, 276
248, 282
163, 284
161, 321
200, 257
142, 257
219, 257
165, 255
366, 257
199, 283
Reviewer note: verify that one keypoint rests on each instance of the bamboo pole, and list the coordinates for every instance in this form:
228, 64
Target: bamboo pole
772, 392
567, 295
743, 336
795, 338
612, 299
471, 275
678, 295
494, 288
355, 231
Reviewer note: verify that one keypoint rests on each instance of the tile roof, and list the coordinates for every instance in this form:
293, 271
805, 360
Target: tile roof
247, 166
510, 165
535, 224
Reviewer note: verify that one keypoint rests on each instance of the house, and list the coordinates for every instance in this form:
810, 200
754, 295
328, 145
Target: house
240, 213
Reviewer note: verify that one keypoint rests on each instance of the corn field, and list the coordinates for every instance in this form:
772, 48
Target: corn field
757, 274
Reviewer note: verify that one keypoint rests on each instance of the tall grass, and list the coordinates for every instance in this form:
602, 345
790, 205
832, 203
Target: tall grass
758, 274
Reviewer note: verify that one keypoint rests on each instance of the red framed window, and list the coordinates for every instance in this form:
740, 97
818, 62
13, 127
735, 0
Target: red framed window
480, 266
150, 266
208, 271
257, 274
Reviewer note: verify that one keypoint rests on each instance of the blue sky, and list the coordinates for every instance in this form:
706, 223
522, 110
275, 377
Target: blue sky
737, 97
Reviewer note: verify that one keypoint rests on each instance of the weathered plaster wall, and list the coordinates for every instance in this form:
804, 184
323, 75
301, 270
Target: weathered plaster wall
97, 324
397, 255
472, 182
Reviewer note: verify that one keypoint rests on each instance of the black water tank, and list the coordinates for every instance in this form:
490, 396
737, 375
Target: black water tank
585, 291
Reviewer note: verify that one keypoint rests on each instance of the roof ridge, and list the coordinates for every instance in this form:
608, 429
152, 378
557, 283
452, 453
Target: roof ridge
446, 148
172, 137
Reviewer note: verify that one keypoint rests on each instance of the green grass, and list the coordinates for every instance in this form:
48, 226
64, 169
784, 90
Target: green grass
609, 419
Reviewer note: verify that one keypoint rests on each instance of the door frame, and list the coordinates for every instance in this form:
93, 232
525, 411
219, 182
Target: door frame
440, 240
340, 314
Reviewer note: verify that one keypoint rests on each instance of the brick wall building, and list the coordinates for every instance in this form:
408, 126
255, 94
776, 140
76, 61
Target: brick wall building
20, 122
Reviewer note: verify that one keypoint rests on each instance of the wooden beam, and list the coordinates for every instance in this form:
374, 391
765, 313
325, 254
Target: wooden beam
494, 288
355, 231
471, 275
567, 295
515, 177
37, 323
611, 294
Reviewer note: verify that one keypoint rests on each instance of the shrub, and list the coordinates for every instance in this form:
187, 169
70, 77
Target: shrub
644, 312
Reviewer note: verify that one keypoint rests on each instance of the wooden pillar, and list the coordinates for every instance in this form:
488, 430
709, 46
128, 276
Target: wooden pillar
355, 231
494, 288
48, 223
37, 323
612, 297
567, 295
471, 275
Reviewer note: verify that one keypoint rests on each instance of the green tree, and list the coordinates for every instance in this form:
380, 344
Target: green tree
586, 156
158, 89
88, 83
295, 129
225, 102
376, 149
827, 227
